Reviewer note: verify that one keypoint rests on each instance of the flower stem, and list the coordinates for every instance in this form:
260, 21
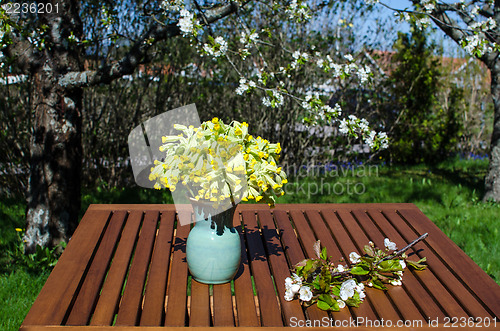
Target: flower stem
404, 249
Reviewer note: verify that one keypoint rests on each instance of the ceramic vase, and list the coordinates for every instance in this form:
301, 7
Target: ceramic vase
213, 248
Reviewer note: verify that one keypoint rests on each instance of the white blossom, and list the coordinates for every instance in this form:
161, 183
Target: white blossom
364, 74
474, 11
402, 263
186, 22
341, 304
243, 86
219, 47
389, 244
305, 293
172, 5
396, 282
266, 101
289, 295
343, 127
354, 257
340, 268
347, 289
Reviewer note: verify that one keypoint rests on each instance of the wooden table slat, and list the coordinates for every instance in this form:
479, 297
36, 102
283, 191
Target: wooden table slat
130, 306
402, 301
438, 289
107, 303
86, 298
270, 312
326, 239
154, 297
377, 298
295, 255
177, 284
200, 301
223, 305
56, 296
477, 280
279, 265
425, 301
453, 305
243, 290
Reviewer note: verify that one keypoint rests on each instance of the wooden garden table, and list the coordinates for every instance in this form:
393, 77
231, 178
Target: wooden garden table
125, 268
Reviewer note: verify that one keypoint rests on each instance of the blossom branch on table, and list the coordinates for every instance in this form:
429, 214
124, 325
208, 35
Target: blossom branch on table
317, 280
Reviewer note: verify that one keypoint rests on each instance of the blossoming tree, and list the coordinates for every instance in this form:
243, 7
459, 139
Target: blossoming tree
50, 43
475, 25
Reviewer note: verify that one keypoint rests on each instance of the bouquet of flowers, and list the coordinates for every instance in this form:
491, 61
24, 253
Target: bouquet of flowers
220, 163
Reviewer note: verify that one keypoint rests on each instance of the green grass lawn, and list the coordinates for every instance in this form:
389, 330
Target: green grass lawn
449, 194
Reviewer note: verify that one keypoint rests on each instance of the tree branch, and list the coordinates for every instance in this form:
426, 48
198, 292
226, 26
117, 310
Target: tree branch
138, 52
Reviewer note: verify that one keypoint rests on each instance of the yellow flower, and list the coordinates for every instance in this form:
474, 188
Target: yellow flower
216, 127
284, 181
19, 230
215, 120
237, 132
258, 198
245, 157
260, 183
244, 124
278, 148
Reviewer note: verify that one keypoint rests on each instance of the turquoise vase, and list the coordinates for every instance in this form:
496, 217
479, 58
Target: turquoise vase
213, 248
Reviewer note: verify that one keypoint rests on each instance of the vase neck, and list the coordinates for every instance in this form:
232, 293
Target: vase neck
218, 222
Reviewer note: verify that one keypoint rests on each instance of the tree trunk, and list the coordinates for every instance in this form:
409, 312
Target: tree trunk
55, 145
492, 180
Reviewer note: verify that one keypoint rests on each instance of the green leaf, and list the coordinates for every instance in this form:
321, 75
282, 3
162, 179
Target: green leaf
323, 305
358, 270
378, 284
369, 250
417, 265
323, 254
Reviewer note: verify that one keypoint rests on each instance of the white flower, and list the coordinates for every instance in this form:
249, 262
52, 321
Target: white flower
340, 268
296, 279
171, 5
396, 282
474, 11
295, 288
354, 257
266, 102
364, 74
305, 293
347, 289
186, 22
289, 295
403, 264
343, 128
389, 244
288, 282
341, 304
243, 86
348, 57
